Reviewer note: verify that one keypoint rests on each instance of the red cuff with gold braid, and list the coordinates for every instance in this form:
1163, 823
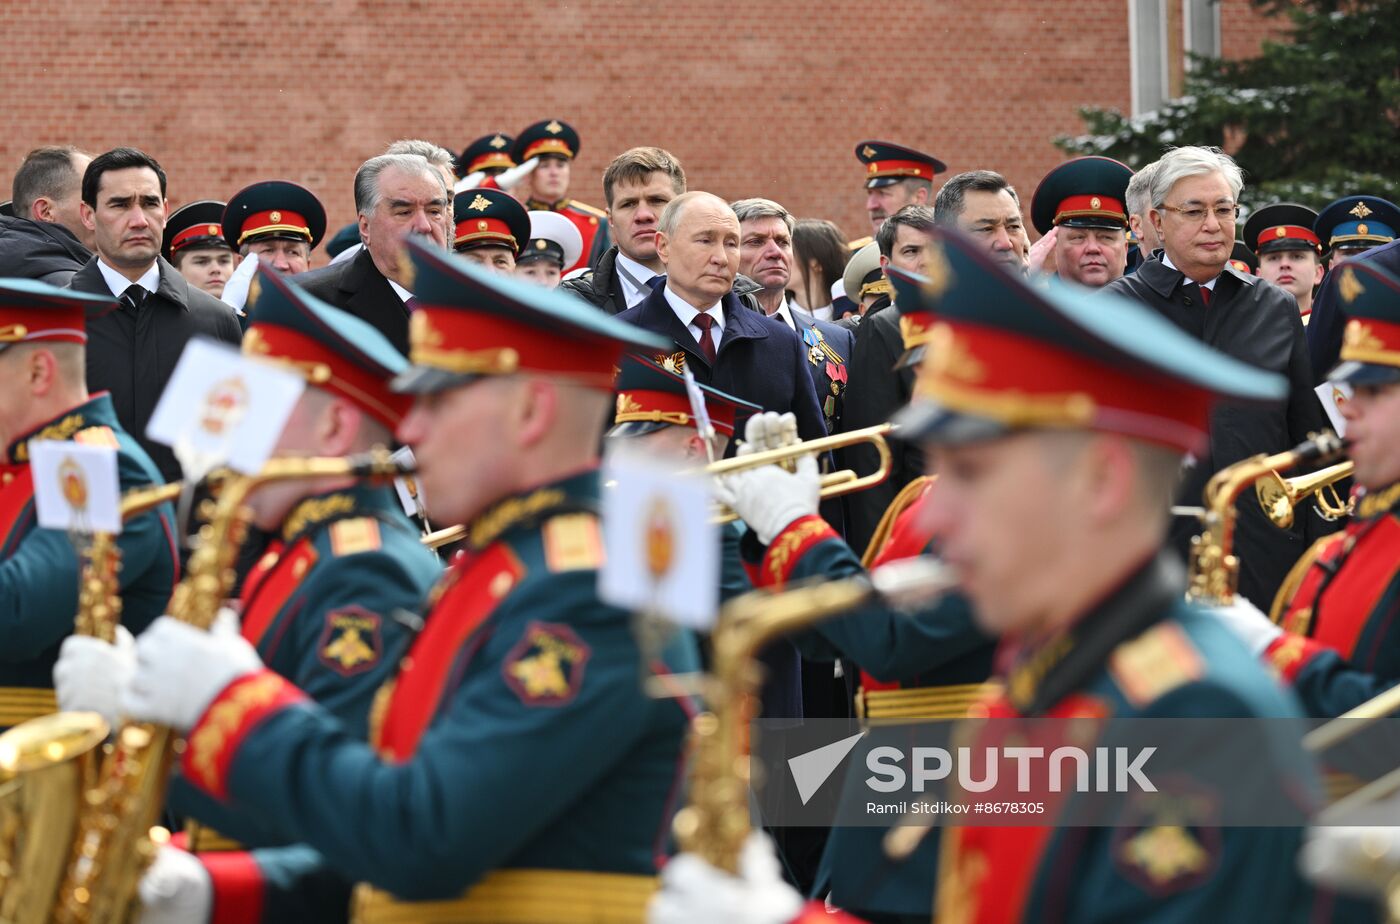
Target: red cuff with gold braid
814, 912
1289, 654
213, 742
238, 886
787, 549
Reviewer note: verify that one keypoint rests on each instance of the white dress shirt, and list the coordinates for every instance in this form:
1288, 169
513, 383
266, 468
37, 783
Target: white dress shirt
688, 312
150, 280
1167, 262
634, 277
403, 294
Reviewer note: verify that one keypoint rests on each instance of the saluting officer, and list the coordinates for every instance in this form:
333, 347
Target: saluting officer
280, 221
1081, 203
516, 762
488, 155
556, 144
44, 396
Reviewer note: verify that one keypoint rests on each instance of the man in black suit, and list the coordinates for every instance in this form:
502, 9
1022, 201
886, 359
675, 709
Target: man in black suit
44, 238
395, 195
132, 351
726, 345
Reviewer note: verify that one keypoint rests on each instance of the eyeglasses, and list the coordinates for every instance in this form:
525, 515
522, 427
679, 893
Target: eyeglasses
1197, 214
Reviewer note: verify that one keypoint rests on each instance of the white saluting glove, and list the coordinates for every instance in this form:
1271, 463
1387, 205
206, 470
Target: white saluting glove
180, 669
175, 890
769, 498
694, 892
91, 674
1358, 860
236, 289
509, 179
1249, 624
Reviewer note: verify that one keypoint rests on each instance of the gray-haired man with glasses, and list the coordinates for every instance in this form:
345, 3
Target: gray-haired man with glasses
1194, 194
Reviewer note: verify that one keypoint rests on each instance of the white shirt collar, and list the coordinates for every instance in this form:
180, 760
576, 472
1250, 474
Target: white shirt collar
687, 312
821, 314
400, 291
784, 314
150, 280
1167, 262
630, 270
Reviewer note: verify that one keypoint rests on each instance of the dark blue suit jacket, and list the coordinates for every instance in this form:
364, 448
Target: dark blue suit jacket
759, 359
1327, 322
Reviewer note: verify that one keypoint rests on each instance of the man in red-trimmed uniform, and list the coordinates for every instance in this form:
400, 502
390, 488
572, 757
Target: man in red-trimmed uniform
1338, 641
1056, 420
556, 144
517, 766
44, 396
322, 606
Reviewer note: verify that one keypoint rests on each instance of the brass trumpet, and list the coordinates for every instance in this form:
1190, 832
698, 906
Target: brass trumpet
834, 484
1214, 568
1279, 496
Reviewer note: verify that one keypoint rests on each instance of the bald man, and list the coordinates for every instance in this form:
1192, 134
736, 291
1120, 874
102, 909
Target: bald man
725, 344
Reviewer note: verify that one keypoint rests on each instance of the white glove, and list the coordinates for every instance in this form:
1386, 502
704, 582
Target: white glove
91, 674
694, 892
1358, 860
176, 889
180, 669
769, 498
506, 179
236, 289
1249, 624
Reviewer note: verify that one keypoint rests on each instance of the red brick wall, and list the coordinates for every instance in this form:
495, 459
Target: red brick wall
756, 99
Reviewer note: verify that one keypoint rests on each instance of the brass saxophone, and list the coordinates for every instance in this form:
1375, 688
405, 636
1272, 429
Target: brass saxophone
48, 764
715, 820
114, 841
1215, 569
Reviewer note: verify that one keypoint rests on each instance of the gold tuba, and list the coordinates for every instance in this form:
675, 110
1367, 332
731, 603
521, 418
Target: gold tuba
715, 822
1279, 496
1215, 570
101, 853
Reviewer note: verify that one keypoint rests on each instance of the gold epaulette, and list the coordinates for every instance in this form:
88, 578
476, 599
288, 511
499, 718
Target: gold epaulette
588, 209
946, 702
519, 896
858, 243
20, 704
200, 838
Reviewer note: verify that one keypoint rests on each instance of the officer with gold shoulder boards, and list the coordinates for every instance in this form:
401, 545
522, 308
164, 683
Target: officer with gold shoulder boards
1056, 420
556, 144
323, 606
1338, 641
1082, 204
195, 245
44, 396
517, 766
895, 176
1351, 228
280, 221
491, 227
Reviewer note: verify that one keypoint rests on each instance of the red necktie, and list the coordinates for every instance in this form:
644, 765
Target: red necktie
1205, 297
707, 343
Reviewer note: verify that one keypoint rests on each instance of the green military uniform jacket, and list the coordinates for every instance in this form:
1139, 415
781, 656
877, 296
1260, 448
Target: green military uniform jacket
39, 568
516, 735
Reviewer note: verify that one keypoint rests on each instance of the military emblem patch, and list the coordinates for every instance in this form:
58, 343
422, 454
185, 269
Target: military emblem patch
545, 668
351, 642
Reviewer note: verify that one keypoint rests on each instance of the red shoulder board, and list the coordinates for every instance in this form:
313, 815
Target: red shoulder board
271, 584
1365, 571
468, 597
909, 537
16, 492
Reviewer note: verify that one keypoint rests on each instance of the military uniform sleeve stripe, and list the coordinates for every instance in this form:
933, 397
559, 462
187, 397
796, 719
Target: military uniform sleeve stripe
238, 887
241, 707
